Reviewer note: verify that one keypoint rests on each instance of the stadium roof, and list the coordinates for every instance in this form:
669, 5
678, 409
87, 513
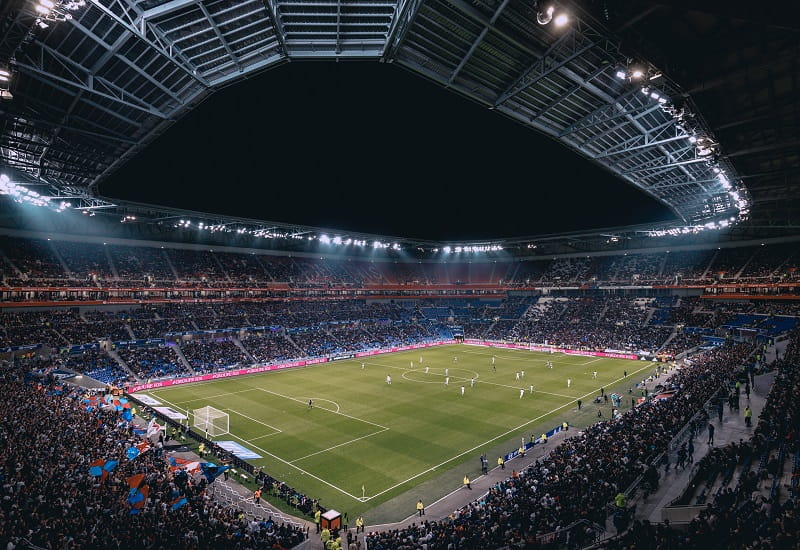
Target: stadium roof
94, 82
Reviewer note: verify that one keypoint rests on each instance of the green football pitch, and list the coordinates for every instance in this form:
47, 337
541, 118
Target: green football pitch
365, 441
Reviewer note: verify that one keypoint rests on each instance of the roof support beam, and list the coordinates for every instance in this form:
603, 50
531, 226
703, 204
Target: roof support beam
221, 38
557, 101
402, 21
550, 62
276, 24
166, 9
477, 41
128, 62
659, 168
605, 113
140, 35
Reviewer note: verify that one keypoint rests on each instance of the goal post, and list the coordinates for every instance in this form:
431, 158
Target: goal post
211, 420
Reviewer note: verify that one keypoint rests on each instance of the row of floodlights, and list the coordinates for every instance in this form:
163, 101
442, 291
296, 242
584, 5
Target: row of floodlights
23, 195
468, 248
59, 10
704, 145
692, 229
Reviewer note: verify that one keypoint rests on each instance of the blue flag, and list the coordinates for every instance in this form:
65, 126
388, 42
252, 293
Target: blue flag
177, 503
212, 471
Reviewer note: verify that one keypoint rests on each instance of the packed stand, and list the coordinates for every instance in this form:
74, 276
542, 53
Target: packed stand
142, 265
150, 363
97, 364
747, 517
210, 355
49, 499
268, 347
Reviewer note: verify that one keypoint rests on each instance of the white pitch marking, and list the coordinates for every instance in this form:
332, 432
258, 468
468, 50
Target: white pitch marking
214, 396
262, 436
320, 399
329, 410
254, 420
339, 445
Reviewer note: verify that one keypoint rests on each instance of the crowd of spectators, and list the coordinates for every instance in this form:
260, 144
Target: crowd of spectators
579, 477
34, 262
97, 364
213, 354
585, 323
268, 347
152, 362
747, 517
49, 499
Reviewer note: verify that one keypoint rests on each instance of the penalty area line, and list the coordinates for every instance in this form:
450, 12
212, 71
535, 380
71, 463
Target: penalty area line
324, 409
339, 445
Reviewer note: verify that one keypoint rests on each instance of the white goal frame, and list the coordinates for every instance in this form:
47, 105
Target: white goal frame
212, 421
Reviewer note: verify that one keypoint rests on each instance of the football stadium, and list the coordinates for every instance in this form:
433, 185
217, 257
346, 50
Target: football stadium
399, 274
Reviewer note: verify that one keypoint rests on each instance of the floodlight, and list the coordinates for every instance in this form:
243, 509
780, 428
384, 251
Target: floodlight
655, 76
654, 95
337, 240
621, 75
692, 139
324, 239
561, 20
543, 17
446, 250
637, 73
47, 4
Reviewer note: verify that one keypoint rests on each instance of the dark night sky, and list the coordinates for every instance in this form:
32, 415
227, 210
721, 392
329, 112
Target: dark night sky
370, 147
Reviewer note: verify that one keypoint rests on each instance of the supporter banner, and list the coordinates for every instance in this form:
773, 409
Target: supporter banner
552, 349
225, 374
267, 368
170, 413
237, 450
147, 400
403, 348
340, 357
515, 452
139, 343
20, 348
82, 347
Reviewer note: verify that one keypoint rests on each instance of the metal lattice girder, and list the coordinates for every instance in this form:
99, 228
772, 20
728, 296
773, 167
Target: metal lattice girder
336, 28
576, 41
43, 62
620, 108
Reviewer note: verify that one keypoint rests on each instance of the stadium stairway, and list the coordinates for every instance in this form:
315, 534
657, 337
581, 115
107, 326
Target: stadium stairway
111, 264
61, 261
115, 356
182, 359
731, 429
238, 344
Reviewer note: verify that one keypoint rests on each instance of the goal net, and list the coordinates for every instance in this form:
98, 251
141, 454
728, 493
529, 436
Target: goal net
211, 420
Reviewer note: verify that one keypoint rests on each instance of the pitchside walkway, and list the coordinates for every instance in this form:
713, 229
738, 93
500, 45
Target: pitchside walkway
731, 429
